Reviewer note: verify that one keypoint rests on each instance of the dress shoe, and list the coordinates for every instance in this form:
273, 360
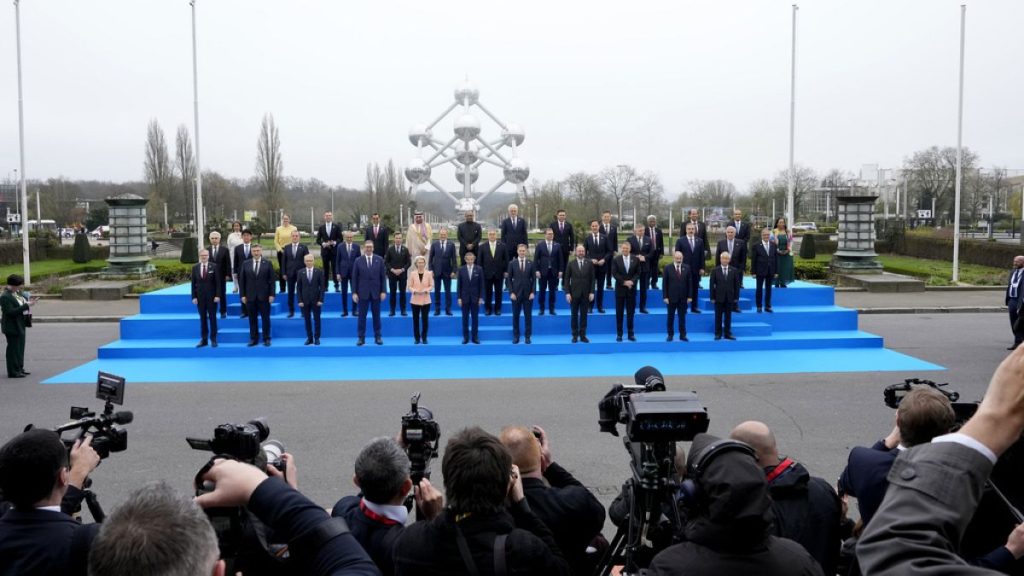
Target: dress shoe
769, 310
437, 313
644, 311
527, 339
476, 340
684, 339
718, 337
291, 314
24, 372
515, 340
378, 341
316, 342
15, 375
631, 338
541, 312
201, 344
360, 342
584, 339
448, 313
730, 337
465, 340
575, 339
497, 313
213, 343
417, 341
553, 312
344, 313
487, 313
223, 315
266, 342
251, 343
737, 310
307, 342
244, 316
758, 310
404, 313
391, 314
694, 311
618, 338
668, 338
601, 310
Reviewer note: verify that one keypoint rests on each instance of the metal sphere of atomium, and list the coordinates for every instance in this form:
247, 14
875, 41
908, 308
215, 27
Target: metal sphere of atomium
417, 171
466, 205
513, 133
460, 174
418, 132
468, 154
467, 127
466, 91
517, 171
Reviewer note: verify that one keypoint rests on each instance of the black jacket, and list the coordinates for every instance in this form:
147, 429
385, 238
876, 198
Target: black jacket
376, 537
807, 510
494, 266
43, 542
397, 258
572, 513
469, 233
430, 548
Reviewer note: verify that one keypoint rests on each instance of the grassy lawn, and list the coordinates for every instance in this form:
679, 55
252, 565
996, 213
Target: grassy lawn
936, 272
47, 268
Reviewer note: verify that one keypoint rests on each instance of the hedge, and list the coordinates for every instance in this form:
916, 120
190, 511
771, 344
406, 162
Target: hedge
68, 252
811, 269
984, 253
173, 272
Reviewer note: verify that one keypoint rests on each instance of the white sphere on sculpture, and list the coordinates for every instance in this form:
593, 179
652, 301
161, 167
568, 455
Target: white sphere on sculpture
460, 175
417, 171
467, 127
517, 171
417, 132
513, 132
467, 154
466, 205
466, 91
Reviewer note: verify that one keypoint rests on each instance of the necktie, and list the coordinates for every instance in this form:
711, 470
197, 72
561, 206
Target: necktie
367, 261
605, 228
725, 271
1013, 284
204, 272
678, 271
295, 249
549, 248
766, 248
256, 266
309, 275
328, 230
513, 223
522, 265
561, 227
580, 263
730, 246
492, 248
595, 239
691, 243
375, 228
470, 272
247, 251
626, 262
442, 247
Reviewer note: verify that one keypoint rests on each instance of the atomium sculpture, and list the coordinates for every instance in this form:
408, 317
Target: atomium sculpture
467, 151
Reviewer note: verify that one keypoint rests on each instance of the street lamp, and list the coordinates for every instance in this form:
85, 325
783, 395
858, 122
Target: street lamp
200, 217
21, 148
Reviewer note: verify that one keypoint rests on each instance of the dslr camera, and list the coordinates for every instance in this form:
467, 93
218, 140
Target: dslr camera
420, 436
107, 437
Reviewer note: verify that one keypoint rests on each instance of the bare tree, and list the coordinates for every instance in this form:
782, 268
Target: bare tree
931, 174
619, 183
651, 192
585, 191
159, 175
709, 193
805, 180
185, 163
269, 165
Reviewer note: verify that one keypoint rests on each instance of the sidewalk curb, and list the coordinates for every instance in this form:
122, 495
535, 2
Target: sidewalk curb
75, 319
935, 310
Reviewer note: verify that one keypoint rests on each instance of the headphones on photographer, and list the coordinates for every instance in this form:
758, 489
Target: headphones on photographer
690, 491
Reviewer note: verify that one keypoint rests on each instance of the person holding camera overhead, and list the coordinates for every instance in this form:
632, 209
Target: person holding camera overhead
15, 306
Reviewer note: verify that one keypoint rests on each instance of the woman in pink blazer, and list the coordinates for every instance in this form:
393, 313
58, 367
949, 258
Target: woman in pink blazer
420, 285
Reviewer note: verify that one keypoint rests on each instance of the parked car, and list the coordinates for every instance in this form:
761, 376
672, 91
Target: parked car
805, 227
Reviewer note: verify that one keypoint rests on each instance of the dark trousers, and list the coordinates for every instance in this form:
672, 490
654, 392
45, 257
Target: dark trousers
608, 273
766, 283
311, 316
548, 285
208, 319
291, 280
599, 274
1013, 307
371, 304
642, 282
327, 256
15, 354
222, 285
625, 305
652, 265
345, 283
723, 317
470, 311
522, 306
492, 294
259, 310
578, 309
680, 309
446, 281
420, 320
694, 290
397, 285
280, 269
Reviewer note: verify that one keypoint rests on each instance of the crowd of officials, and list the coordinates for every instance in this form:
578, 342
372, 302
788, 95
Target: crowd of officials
417, 268
509, 508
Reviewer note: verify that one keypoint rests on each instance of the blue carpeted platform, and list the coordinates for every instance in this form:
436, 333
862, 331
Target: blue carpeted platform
806, 333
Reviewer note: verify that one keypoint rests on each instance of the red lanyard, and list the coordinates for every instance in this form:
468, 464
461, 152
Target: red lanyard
780, 469
374, 516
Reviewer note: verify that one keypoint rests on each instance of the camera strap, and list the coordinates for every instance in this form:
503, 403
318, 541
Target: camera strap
500, 562
780, 470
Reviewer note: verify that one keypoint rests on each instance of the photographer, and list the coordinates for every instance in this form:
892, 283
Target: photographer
36, 536
377, 516
573, 514
478, 533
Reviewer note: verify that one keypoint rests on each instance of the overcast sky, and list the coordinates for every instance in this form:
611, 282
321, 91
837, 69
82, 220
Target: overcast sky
688, 89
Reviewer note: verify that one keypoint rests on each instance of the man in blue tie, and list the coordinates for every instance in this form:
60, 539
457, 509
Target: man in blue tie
1014, 295
471, 296
368, 291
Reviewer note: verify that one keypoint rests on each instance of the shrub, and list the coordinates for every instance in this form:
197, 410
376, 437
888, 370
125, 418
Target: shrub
81, 253
190, 250
811, 270
173, 272
807, 250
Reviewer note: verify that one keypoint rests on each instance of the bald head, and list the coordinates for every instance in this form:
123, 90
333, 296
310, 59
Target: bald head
524, 447
760, 438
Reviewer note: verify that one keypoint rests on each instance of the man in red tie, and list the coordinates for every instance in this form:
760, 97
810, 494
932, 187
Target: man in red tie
377, 233
565, 236
206, 296
675, 292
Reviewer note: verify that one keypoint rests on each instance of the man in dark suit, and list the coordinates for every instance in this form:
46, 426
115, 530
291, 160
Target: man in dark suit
565, 236
397, 262
742, 226
521, 283
311, 298
37, 476
220, 257
348, 253
243, 252
737, 251
1014, 297
693, 254
368, 291
726, 283
579, 292
206, 296
378, 234
596, 247
763, 262
547, 259
469, 234
700, 230
14, 308
494, 261
626, 271
442, 264
654, 233
257, 286
294, 256
675, 291
641, 247
471, 296
513, 231
611, 235
328, 236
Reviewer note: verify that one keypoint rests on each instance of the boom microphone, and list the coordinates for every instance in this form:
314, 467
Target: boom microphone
649, 377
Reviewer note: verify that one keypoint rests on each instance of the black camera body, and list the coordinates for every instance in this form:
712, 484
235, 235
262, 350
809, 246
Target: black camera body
420, 436
650, 414
893, 394
107, 437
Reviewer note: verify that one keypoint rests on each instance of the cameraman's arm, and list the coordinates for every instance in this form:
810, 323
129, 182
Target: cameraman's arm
83, 461
525, 518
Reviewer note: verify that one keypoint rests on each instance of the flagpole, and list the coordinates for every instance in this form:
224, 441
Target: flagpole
959, 150
26, 268
200, 212
791, 192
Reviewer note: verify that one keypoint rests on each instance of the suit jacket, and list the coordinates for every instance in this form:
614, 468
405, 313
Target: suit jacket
641, 247
765, 264
310, 292
368, 279
522, 283
621, 274
293, 260
43, 542
566, 238
469, 233
221, 259
657, 241
726, 289
548, 262
742, 230
420, 289
397, 258
511, 235
256, 284
579, 283
345, 257
205, 290
739, 253
494, 265
675, 287
322, 237
471, 289
13, 321
418, 243
611, 236
1020, 287
380, 239
571, 511
240, 258
701, 232
695, 257
442, 262
596, 250
865, 477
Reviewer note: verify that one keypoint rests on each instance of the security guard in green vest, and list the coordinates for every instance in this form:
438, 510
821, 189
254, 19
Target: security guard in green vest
14, 307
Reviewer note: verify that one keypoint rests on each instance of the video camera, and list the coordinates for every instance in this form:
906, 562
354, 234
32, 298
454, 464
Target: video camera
962, 411
649, 413
243, 442
106, 436
420, 436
